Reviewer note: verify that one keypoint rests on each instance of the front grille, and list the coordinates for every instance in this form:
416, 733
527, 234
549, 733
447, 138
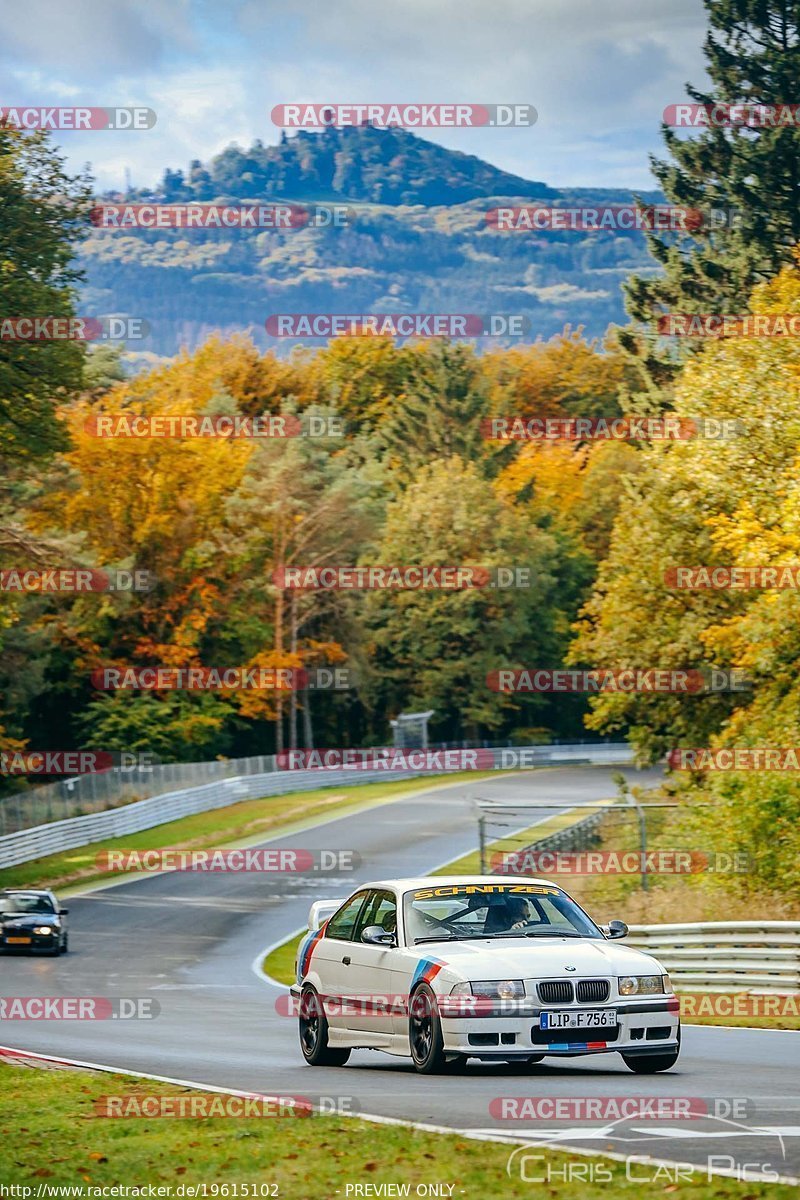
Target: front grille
593, 990
556, 991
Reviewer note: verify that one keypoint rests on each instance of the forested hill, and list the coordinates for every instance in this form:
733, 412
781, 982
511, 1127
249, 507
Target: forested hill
418, 242
361, 164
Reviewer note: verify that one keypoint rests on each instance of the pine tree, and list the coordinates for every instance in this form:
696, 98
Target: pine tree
753, 53
439, 414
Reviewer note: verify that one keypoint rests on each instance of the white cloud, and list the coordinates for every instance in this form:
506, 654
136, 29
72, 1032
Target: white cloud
599, 75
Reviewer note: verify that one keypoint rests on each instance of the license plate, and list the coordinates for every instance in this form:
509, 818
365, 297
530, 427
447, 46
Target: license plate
18, 941
599, 1018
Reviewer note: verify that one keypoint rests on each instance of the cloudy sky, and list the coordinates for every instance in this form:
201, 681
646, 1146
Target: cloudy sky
599, 74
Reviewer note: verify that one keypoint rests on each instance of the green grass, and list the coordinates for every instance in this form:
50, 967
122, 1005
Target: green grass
52, 1136
248, 820
279, 963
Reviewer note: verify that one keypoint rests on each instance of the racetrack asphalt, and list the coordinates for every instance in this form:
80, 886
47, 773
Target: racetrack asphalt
189, 941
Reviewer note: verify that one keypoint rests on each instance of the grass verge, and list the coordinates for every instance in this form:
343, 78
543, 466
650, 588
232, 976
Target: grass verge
52, 1136
248, 820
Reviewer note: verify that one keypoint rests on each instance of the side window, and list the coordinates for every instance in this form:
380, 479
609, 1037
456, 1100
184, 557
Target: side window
343, 922
380, 909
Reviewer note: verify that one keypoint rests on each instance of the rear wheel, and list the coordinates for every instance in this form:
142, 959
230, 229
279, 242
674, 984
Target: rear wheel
313, 1026
425, 1033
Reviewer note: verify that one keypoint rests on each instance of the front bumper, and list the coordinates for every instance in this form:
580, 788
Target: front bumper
643, 1027
26, 939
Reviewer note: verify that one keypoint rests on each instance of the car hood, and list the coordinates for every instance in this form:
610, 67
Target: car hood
544, 958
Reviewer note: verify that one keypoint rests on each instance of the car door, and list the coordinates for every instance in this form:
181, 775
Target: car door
333, 955
369, 972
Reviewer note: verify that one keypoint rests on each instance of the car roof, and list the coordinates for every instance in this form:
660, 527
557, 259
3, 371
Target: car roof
423, 881
20, 891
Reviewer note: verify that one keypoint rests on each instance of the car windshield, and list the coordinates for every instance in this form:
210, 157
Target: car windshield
480, 910
19, 902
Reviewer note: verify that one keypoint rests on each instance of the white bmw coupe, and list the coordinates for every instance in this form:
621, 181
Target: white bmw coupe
446, 968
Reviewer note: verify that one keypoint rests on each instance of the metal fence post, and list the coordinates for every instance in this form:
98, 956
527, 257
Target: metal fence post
642, 837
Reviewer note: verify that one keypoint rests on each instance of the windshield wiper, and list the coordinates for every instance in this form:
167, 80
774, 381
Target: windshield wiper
533, 933
448, 937
554, 933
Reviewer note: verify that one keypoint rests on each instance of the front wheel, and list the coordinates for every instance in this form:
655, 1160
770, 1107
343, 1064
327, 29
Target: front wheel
313, 1026
425, 1033
651, 1064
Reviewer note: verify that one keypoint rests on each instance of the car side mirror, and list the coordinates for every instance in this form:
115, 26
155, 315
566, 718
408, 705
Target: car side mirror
376, 935
62, 912
615, 929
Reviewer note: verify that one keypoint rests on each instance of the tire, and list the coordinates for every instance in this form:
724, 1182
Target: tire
313, 1028
425, 1033
65, 944
650, 1064
55, 950
455, 1063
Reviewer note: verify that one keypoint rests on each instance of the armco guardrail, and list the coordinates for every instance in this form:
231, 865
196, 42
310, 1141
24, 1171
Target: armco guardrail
42, 840
98, 791
724, 956
68, 834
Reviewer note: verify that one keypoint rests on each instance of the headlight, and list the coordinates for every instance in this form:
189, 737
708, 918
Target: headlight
641, 985
665, 979
43, 929
490, 989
